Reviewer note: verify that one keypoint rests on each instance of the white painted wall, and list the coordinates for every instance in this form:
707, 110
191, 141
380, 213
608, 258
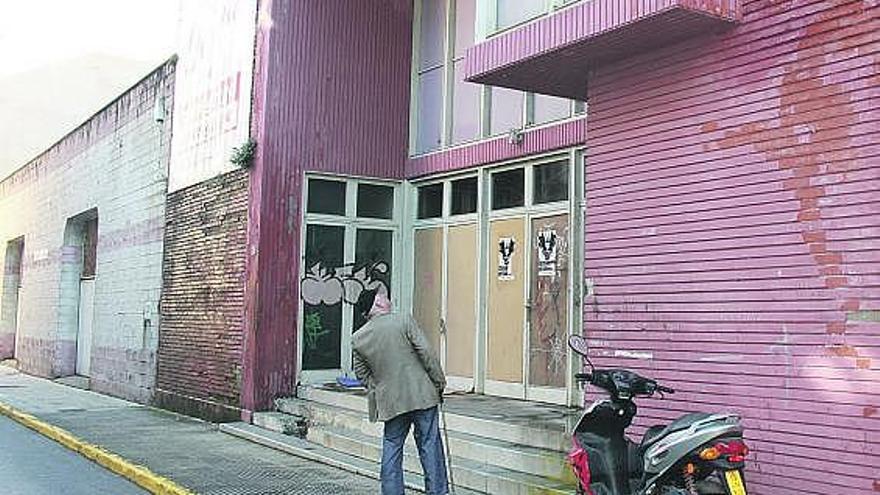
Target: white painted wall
213, 94
117, 163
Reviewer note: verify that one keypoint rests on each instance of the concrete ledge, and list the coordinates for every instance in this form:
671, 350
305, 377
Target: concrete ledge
139, 475
196, 407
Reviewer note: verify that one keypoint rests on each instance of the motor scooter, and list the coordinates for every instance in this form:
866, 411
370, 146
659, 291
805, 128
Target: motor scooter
697, 454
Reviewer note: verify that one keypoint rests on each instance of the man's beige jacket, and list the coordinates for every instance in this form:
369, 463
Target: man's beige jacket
397, 364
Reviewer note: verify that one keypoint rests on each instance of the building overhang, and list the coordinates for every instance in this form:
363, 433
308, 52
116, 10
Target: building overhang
554, 54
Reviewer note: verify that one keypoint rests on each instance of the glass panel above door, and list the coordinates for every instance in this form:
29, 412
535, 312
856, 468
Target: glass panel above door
430, 201
508, 189
375, 201
326, 197
464, 196
550, 182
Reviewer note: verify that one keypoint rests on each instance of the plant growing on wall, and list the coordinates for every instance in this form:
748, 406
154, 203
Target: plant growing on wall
243, 156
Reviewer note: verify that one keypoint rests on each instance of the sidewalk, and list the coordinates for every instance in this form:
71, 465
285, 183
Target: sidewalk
187, 451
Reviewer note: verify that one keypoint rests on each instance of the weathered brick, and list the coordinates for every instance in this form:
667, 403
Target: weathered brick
202, 302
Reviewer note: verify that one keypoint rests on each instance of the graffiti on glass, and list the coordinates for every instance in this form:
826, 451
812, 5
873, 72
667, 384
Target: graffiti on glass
329, 286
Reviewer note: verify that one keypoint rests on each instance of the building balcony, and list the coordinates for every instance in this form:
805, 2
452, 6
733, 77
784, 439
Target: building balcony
553, 54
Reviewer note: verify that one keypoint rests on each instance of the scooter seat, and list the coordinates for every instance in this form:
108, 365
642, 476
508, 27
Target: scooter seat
657, 432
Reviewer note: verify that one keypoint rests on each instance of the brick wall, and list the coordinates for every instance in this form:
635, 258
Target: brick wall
116, 165
732, 231
202, 298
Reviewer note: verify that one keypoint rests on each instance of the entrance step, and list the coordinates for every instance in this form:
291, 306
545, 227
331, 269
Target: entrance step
281, 423
328, 424
308, 450
539, 425
498, 446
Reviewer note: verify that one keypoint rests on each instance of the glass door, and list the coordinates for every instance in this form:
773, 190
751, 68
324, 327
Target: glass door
371, 272
349, 250
445, 267
548, 320
529, 296
322, 305
505, 333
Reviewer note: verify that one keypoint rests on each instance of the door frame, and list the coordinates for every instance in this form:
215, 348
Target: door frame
351, 223
574, 207
528, 212
460, 383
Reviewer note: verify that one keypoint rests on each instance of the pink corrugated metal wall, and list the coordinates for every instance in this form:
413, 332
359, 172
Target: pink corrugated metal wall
331, 94
733, 235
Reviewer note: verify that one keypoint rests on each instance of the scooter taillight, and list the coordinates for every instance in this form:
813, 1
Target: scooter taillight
580, 463
735, 450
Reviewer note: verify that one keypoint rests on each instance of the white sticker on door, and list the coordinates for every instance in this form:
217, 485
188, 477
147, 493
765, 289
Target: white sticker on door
506, 247
547, 243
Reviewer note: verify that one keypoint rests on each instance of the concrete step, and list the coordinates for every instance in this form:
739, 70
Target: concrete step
308, 450
549, 435
360, 453
324, 420
482, 473
281, 422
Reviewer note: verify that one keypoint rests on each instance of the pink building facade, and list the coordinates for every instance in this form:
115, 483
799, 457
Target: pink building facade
691, 184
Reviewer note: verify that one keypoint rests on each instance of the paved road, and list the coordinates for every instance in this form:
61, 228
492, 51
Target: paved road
31, 464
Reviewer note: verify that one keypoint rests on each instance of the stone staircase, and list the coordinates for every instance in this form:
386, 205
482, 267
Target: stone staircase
498, 446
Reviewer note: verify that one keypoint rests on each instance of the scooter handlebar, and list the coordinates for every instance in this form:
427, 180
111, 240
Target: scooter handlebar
583, 377
623, 382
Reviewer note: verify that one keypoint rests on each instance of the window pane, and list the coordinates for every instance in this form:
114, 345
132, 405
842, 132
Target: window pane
433, 27
508, 189
375, 201
464, 196
465, 107
326, 196
550, 108
507, 110
511, 12
322, 308
465, 23
430, 110
551, 182
431, 201
373, 255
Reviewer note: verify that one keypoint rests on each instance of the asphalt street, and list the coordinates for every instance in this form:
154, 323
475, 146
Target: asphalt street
31, 464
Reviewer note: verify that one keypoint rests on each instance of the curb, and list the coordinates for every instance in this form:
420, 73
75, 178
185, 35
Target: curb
139, 475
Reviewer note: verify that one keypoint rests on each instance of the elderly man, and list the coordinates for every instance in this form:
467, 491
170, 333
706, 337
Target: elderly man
405, 384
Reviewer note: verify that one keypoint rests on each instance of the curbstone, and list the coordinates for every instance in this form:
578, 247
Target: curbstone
135, 473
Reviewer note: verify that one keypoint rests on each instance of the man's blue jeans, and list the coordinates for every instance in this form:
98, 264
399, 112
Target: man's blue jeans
427, 432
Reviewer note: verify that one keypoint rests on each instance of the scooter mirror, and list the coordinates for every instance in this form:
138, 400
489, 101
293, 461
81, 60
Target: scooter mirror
579, 345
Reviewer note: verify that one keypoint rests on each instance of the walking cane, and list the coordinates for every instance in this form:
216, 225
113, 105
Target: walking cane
446, 442
443, 332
